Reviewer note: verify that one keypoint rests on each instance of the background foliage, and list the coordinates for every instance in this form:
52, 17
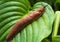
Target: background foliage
40, 30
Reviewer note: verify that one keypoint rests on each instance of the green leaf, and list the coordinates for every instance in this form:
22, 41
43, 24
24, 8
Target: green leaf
56, 24
57, 5
56, 39
55, 36
45, 40
12, 10
47, 1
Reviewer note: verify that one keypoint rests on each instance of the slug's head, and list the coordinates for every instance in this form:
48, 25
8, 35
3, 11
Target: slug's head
41, 9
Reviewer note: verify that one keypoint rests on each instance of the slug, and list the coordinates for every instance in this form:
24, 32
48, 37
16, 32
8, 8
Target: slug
23, 22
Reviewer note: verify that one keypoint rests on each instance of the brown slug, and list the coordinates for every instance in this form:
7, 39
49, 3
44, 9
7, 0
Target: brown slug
23, 22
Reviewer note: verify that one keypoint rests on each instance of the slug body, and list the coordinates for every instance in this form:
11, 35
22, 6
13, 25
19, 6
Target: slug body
23, 22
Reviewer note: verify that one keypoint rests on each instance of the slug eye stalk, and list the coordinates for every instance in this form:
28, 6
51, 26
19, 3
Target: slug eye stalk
23, 22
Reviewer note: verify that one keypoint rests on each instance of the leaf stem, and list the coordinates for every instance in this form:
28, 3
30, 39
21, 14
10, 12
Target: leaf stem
56, 24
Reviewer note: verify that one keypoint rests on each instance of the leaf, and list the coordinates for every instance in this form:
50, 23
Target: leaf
47, 1
45, 40
56, 39
12, 10
55, 36
57, 5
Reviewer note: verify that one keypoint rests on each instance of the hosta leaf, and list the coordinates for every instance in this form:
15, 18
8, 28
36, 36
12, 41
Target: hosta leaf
46, 40
57, 5
55, 36
12, 10
39, 29
56, 39
56, 23
47, 1
46, 21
